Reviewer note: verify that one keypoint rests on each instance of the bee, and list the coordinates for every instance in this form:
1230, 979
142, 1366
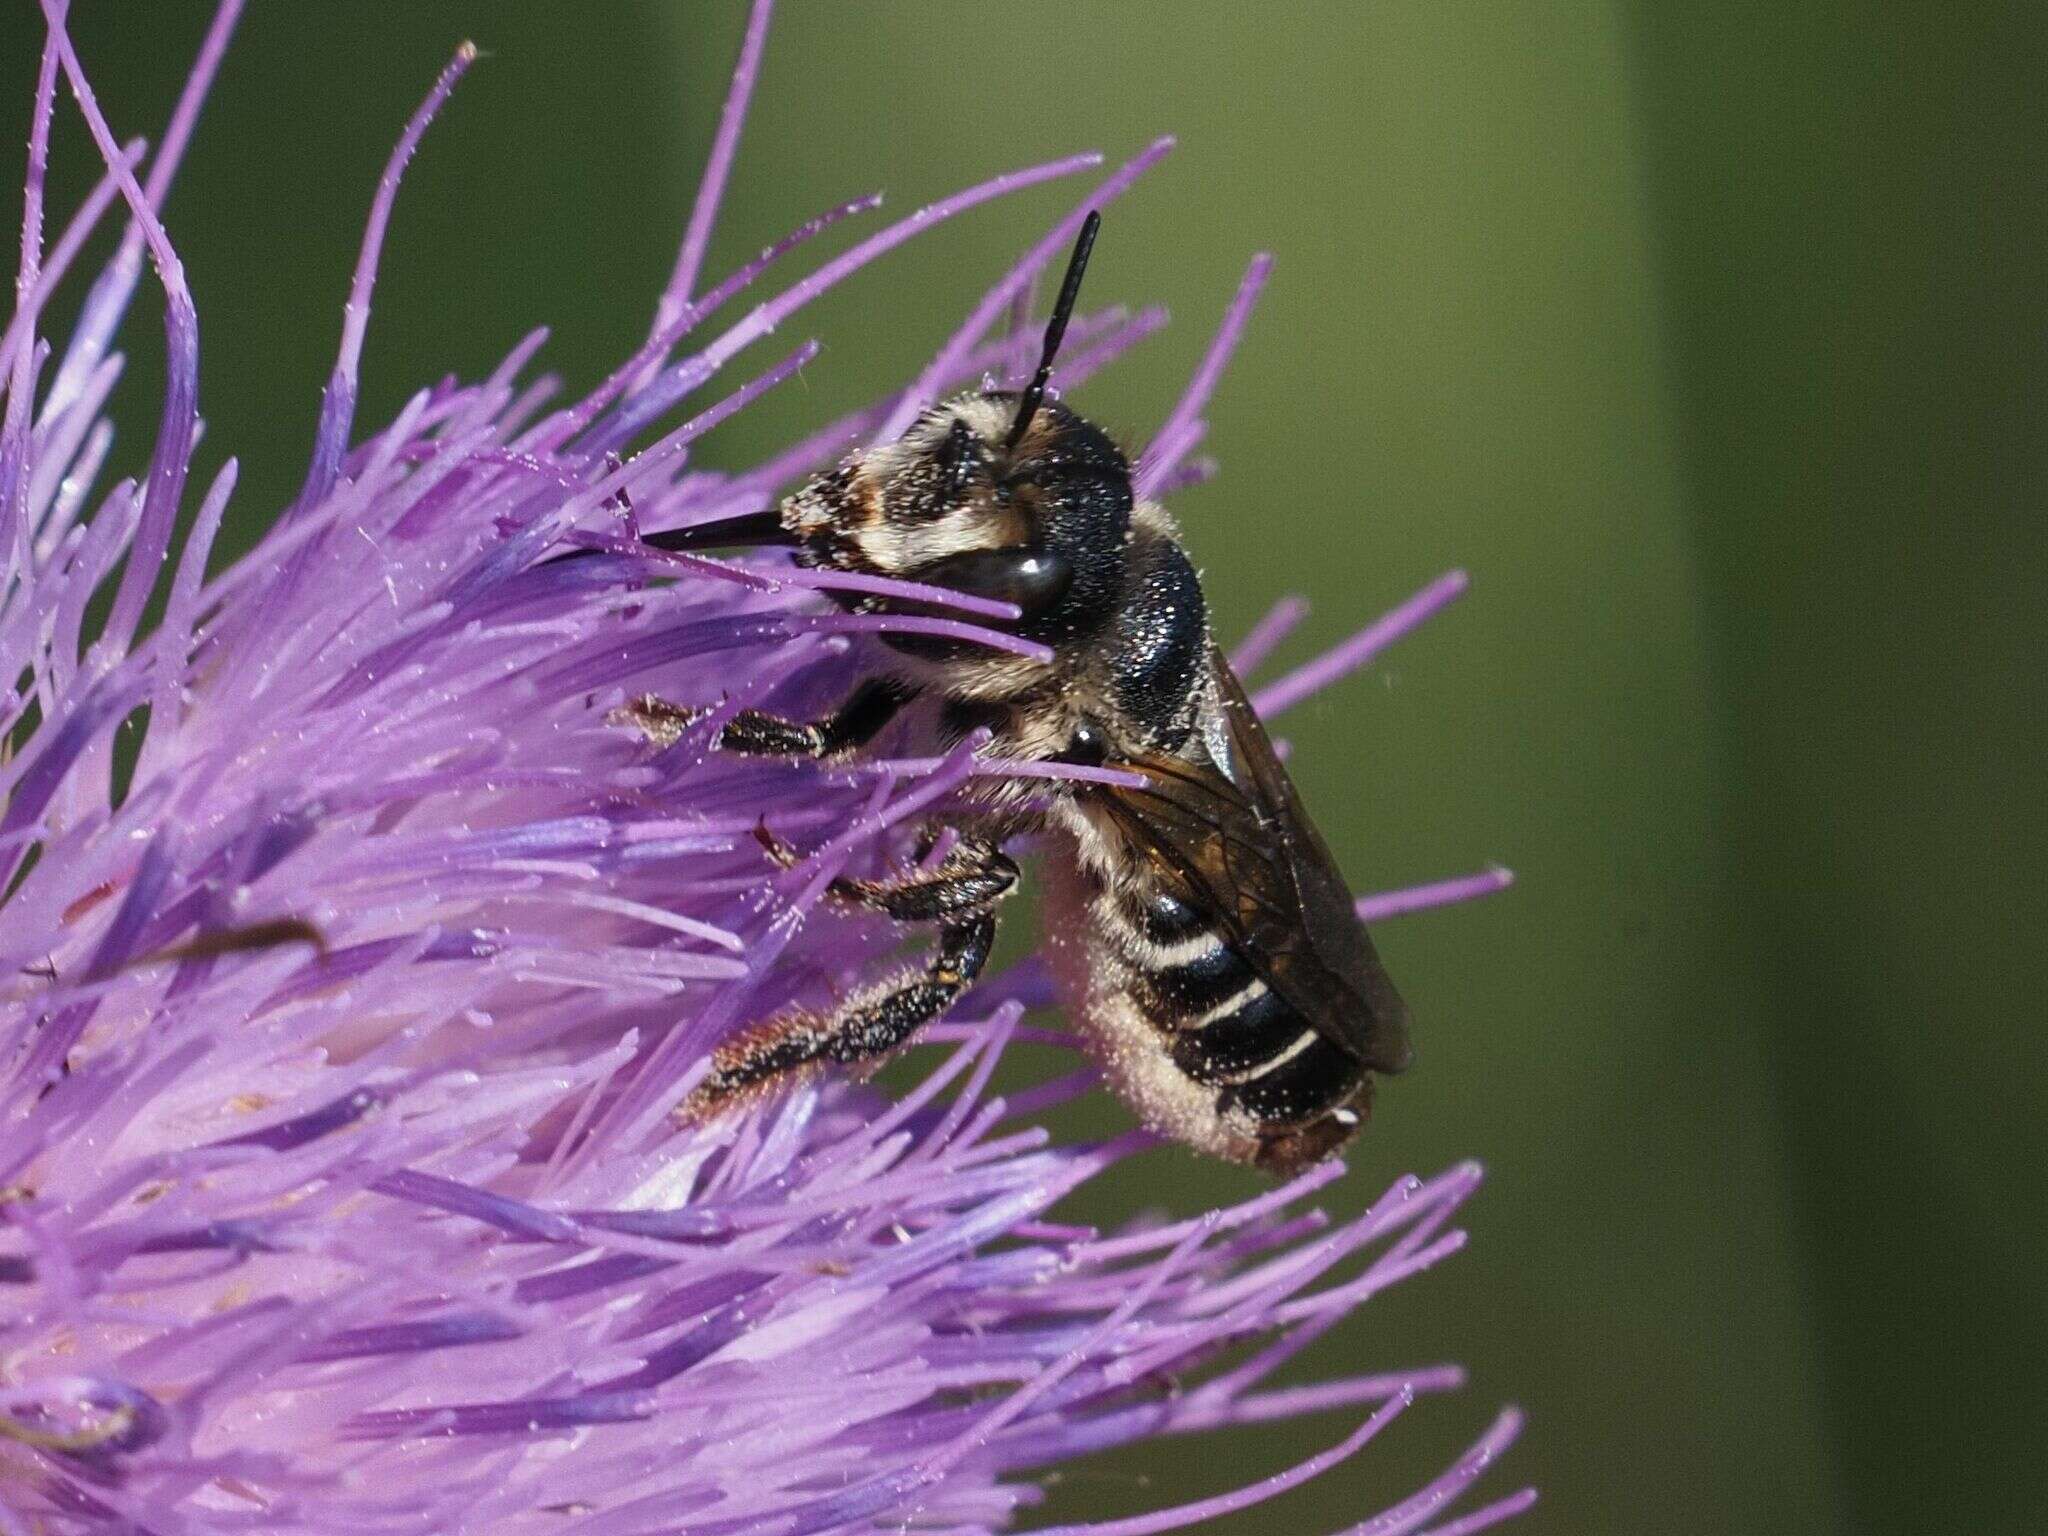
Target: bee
1198, 926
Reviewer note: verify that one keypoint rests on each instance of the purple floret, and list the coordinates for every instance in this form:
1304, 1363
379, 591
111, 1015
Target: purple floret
353, 960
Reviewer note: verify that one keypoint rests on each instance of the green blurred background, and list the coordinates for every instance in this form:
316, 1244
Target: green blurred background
1708, 336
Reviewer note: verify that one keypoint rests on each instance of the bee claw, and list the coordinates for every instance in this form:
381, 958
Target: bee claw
661, 722
784, 854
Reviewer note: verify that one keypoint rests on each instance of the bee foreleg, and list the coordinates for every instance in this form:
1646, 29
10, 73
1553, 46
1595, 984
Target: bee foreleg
866, 1029
758, 734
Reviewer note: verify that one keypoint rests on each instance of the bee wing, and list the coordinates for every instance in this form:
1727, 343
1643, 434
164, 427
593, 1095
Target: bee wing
1241, 847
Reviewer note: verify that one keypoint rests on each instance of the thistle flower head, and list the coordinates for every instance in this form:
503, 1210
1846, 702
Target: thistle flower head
352, 960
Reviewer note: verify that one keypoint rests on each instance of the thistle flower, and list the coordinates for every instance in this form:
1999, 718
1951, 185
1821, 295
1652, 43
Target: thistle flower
353, 962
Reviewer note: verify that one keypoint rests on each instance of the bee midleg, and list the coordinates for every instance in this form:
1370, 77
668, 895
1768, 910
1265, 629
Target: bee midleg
960, 895
757, 734
975, 874
967, 880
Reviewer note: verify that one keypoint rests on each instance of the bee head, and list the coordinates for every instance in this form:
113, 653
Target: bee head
1041, 523
1006, 496
997, 494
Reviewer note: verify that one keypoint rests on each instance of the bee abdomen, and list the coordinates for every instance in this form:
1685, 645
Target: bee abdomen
1314, 1077
1266, 1059
1253, 1032
1188, 988
1163, 918
1221, 1026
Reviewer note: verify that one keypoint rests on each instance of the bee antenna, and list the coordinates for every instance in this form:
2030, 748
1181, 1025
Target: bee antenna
1055, 329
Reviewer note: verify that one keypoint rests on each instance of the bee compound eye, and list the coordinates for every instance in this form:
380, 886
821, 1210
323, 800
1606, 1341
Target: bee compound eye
1032, 578
1087, 747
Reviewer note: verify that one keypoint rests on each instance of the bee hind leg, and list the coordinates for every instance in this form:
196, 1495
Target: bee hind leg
868, 1027
959, 894
756, 733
